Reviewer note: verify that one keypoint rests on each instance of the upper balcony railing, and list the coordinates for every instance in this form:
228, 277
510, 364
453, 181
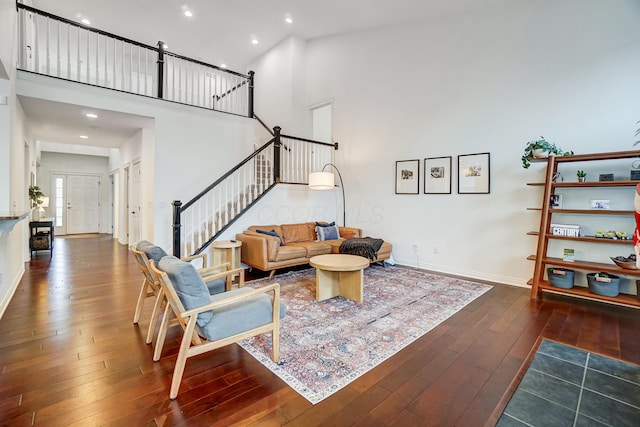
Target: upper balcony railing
69, 50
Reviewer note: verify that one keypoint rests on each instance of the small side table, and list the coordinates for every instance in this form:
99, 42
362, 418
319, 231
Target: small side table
41, 241
226, 251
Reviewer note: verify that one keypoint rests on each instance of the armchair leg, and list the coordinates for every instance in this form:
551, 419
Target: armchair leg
154, 317
271, 273
141, 297
275, 344
183, 354
162, 334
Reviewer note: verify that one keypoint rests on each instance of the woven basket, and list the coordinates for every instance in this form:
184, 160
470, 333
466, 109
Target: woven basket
561, 277
605, 286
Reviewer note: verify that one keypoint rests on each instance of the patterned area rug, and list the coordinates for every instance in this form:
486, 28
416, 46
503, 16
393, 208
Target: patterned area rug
326, 345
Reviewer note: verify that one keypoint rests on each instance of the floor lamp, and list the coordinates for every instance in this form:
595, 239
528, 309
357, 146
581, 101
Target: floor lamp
326, 181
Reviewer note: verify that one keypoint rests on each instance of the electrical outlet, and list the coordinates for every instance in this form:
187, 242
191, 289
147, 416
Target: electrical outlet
436, 250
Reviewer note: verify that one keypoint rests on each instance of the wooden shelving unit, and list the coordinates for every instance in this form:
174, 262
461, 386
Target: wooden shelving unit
544, 235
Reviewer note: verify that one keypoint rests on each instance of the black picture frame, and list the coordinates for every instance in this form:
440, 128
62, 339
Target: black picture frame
437, 175
474, 173
407, 176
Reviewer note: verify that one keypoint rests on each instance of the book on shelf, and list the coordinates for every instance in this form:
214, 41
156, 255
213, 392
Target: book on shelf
568, 255
568, 230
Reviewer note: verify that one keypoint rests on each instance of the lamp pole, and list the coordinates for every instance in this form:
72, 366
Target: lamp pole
344, 206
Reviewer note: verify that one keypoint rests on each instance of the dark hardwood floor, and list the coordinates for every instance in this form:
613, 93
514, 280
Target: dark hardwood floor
70, 355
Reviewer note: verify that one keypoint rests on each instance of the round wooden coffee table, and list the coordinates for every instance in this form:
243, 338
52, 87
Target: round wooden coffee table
339, 274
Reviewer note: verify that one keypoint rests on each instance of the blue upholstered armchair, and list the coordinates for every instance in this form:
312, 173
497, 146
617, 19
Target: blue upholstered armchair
217, 278
213, 321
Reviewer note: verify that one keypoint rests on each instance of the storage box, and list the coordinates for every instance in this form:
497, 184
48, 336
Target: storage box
605, 286
561, 277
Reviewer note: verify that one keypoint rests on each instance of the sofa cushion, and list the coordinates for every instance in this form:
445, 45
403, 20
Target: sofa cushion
241, 316
327, 233
297, 232
313, 248
289, 252
153, 252
189, 286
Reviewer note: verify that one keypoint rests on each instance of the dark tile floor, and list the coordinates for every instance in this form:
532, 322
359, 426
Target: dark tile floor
565, 386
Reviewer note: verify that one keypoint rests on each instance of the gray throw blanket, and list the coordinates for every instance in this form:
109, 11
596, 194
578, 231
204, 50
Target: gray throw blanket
367, 247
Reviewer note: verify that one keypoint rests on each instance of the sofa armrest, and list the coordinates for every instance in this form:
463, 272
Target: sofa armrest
258, 249
349, 232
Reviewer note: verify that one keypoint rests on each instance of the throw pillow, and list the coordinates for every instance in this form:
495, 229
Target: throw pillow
327, 233
324, 224
271, 233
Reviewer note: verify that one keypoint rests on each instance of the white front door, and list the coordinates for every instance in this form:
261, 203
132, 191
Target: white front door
83, 204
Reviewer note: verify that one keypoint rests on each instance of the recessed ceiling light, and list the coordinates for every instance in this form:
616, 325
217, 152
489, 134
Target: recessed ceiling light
84, 137
85, 21
188, 13
288, 19
254, 41
223, 65
91, 115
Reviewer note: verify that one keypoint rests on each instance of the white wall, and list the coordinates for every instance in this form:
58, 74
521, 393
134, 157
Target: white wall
279, 87
7, 41
487, 81
15, 161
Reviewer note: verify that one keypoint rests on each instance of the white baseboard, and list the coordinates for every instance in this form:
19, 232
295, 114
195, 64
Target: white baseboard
12, 290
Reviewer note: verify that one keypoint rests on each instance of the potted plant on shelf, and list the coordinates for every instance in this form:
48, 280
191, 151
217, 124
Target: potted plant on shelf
541, 148
35, 195
582, 176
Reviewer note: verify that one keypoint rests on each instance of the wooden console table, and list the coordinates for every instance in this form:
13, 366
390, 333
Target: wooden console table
41, 241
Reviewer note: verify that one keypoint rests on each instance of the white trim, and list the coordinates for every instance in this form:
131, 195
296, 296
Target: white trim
12, 290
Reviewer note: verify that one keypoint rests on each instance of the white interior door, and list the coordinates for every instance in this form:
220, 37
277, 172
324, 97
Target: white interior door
321, 123
83, 204
134, 204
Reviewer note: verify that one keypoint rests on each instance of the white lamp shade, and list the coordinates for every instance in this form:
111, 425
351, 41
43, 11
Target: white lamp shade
321, 181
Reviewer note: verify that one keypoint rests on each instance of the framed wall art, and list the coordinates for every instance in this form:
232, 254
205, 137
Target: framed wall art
407, 176
437, 175
473, 173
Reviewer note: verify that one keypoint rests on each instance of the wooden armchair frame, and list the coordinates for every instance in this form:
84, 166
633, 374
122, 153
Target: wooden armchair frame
193, 342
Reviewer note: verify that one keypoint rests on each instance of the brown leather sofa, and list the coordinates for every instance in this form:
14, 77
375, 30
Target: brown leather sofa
299, 244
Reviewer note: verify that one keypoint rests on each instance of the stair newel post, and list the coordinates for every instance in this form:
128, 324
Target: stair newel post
277, 145
160, 63
177, 209
250, 108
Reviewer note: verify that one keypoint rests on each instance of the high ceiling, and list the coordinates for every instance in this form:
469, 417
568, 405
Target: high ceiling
219, 32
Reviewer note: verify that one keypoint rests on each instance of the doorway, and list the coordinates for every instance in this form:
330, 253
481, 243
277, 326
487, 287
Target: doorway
76, 203
134, 203
322, 122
